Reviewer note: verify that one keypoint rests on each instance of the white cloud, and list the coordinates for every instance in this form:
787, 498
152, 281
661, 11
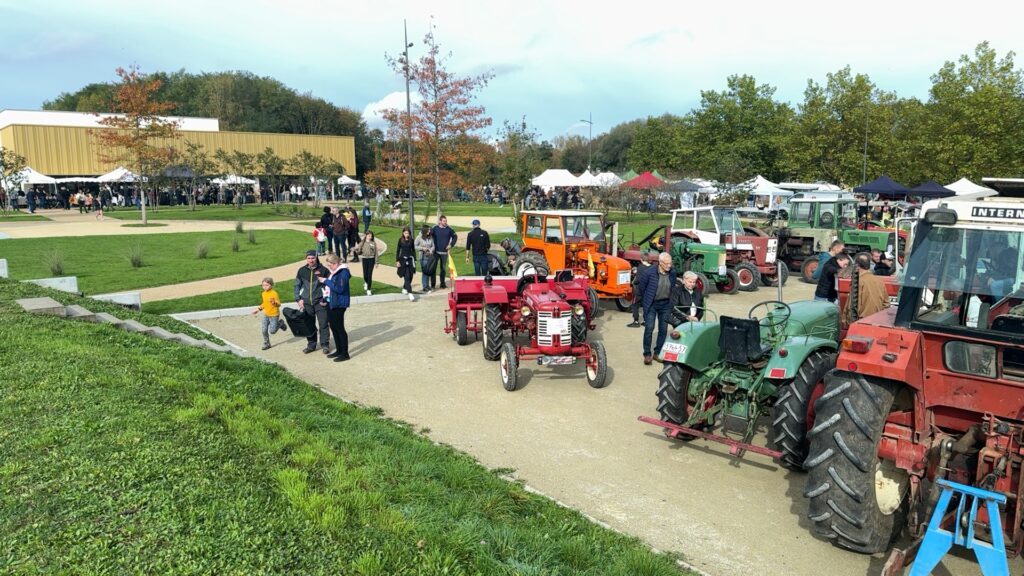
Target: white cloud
373, 113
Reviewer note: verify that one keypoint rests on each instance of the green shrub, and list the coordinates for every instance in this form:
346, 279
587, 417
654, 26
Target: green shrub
55, 262
252, 236
135, 256
234, 244
202, 249
239, 227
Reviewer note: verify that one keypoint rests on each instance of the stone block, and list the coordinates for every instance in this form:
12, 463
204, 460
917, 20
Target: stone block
133, 326
3, 268
159, 332
67, 284
80, 313
106, 318
44, 305
131, 300
184, 339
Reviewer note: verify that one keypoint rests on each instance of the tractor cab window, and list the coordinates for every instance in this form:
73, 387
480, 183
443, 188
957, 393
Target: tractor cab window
827, 214
801, 214
706, 221
847, 215
970, 278
728, 222
553, 230
578, 228
533, 226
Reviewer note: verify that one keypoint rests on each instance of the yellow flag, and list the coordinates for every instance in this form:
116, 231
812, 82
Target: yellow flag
451, 267
590, 265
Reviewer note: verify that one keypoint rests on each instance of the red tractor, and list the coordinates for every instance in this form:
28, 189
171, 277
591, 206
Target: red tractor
930, 389
555, 313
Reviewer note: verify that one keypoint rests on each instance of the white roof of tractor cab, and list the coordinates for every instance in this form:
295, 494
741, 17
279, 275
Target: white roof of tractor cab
561, 213
1004, 208
822, 197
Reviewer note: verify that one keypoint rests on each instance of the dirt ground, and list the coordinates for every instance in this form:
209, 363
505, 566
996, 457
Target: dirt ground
580, 446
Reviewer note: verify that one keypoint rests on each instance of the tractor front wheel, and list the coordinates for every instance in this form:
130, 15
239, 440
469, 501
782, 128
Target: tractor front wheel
673, 382
493, 335
793, 412
856, 500
509, 367
624, 304
597, 366
594, 302
531, 263
749, 277
730, 285
808, 268
461, 332
773, 280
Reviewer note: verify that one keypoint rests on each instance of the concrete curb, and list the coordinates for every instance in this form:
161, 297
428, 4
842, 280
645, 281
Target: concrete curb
246, 310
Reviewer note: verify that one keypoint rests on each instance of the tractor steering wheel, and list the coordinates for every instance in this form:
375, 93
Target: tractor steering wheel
527, 280
776, 316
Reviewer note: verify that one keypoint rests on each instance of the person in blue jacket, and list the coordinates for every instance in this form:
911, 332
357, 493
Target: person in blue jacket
655, 290
337, 296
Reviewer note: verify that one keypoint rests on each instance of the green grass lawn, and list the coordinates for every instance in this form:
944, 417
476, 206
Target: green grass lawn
101, 262
20, 217
249, 213
127, 454
251, 296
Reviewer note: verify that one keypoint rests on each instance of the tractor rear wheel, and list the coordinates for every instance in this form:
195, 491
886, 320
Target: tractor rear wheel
493, 334
730, 285
702, 283
531, 263
749, 277
856, 500
807, 270
461, 332
594, 302
673, 382
597, 366
793, 410
773, 280
508, 367
578, 326
624, 304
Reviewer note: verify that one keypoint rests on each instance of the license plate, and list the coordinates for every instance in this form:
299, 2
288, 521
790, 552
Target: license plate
556, 360
670, 351
623, 276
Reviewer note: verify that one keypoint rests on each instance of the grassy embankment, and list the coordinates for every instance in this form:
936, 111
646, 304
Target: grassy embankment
13, 216
123, 453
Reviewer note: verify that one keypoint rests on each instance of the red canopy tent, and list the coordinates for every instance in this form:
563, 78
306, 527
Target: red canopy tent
645, 181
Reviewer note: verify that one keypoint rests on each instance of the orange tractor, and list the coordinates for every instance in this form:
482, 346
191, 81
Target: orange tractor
575, 240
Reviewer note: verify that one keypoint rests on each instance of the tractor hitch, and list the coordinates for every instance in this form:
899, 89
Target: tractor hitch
736, 447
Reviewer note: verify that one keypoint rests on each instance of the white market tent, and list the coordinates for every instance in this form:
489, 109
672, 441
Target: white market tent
232, 179
119, 174
77, 179
761, 187
29, 176
555, 177
587, 180
346, 181
965, 186
608, 179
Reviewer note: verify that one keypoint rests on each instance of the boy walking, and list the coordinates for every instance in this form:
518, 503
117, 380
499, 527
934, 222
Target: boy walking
271, 308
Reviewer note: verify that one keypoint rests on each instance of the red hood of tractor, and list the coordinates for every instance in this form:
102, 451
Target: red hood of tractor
540, 297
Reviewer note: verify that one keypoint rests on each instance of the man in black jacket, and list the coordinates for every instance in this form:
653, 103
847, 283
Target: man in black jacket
827, 287
687, 300
478, 242
309, 294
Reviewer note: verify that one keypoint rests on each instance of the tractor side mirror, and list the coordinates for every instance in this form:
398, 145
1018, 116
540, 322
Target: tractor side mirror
488, 280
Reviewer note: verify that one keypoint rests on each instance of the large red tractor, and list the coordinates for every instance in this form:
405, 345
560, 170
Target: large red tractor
932, 388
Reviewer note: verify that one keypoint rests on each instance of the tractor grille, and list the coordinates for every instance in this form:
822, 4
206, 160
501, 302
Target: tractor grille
548, 326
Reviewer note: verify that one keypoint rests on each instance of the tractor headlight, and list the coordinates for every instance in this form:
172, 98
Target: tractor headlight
525, 310
578, 310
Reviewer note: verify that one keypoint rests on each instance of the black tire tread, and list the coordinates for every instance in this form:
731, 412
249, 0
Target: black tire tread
756, 282
789, 414
493, 332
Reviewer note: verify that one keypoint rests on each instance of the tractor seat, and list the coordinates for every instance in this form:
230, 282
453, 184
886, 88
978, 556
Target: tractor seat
740, 340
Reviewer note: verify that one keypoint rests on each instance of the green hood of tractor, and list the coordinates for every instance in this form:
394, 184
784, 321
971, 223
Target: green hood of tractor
813, 318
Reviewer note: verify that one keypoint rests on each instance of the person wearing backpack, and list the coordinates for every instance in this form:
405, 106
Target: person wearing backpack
367, 215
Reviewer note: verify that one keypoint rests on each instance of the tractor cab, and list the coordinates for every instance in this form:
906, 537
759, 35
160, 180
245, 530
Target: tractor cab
709, 224
831, 211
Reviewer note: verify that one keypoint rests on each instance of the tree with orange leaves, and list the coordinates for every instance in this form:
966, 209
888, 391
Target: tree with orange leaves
133, 134
444, 114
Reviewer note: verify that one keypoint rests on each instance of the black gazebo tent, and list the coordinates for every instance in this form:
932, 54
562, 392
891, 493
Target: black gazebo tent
883, 186
931, 189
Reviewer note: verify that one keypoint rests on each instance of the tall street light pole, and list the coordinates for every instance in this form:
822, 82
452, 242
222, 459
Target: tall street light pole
408, 121
590, 139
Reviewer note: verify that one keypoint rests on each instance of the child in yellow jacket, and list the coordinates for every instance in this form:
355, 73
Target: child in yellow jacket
271, 308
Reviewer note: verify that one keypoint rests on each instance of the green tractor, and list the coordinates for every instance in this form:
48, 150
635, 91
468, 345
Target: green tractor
707, 261
730, 372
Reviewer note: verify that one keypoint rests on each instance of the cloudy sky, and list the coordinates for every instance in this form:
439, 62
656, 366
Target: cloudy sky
554, 62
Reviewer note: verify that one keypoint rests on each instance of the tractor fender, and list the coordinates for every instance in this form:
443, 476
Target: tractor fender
797, 348
495, 295
696, 346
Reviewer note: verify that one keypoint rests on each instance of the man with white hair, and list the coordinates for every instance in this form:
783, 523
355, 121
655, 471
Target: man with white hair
655, 291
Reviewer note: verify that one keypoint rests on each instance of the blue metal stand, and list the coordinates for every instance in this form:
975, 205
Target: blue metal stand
937, 541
